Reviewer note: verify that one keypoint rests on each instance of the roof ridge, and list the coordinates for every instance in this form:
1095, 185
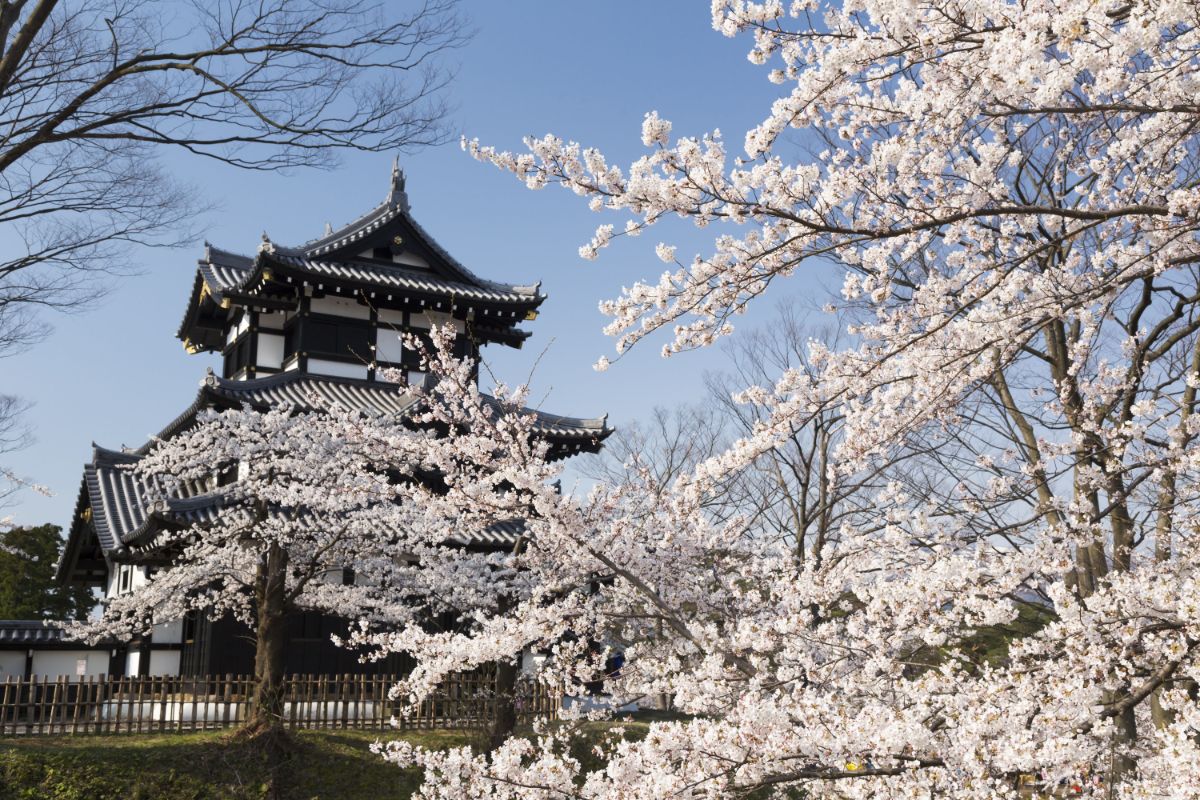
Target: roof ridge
531, 289
325, 268
213, 380
600, 422
210, 249
286, 377
396, 205
108, 454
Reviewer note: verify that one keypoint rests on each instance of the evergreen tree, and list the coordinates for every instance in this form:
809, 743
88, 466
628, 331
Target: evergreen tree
28, 589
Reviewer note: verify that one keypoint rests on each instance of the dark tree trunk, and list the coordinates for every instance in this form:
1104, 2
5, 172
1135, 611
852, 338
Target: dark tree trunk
504, 712
504, 718
266, 707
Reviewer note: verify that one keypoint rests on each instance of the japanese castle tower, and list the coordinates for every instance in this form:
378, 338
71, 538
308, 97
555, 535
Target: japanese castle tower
320, 320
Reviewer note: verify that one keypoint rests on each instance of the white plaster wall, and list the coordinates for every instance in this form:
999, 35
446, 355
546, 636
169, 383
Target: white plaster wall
340, 369
270, 350
12, 664
137, 577
339, 307
410, 260
133, 660
164, 662
53, 663
388, 346
391, 316
235, 331
427, 319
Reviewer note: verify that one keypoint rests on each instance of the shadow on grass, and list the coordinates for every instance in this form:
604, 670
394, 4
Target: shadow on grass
317, 765
321, 765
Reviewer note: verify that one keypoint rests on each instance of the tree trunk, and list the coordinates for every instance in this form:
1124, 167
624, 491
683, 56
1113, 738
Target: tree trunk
504, 717
266, 706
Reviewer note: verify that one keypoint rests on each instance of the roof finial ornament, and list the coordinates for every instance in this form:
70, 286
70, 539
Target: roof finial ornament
398, 197
266, 246
328, 229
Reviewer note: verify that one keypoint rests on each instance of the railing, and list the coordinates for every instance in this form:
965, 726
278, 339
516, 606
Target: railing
151, 704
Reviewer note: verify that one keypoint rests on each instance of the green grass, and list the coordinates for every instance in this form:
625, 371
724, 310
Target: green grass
325, 765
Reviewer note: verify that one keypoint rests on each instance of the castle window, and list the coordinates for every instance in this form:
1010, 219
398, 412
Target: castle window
339, 340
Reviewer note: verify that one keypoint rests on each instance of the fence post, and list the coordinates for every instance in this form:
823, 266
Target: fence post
43, 704
360, 691
376, 701
343, 694
195, 696
118, 701
160, 694
75, 704
89, 706
178, 700
321, 698
62, 704
9, 708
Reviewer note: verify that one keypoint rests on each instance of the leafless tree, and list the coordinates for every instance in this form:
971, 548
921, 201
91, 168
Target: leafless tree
94, 92
788, 492
670, 442
14, 435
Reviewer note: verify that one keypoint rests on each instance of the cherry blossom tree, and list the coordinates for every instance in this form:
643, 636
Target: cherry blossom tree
1010, 190
272, 505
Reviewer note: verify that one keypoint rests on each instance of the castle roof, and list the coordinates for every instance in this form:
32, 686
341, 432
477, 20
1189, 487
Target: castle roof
118, 515
385, 257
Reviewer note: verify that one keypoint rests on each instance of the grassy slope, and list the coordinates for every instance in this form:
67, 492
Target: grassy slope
327, 765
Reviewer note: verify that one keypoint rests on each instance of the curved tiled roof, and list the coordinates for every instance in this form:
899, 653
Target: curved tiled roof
396, 277
26, 631
396, 207
300, 389
126, 515
226, 271
308, 391
117, 497
499, 534
125, 507
335, 262
223, 270
126, 512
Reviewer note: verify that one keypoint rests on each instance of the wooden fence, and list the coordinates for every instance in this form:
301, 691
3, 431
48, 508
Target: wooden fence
150, 704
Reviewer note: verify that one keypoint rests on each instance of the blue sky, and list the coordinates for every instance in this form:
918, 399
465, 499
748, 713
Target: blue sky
115, 373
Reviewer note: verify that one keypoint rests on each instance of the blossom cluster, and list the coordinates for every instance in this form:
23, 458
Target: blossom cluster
1009, 190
